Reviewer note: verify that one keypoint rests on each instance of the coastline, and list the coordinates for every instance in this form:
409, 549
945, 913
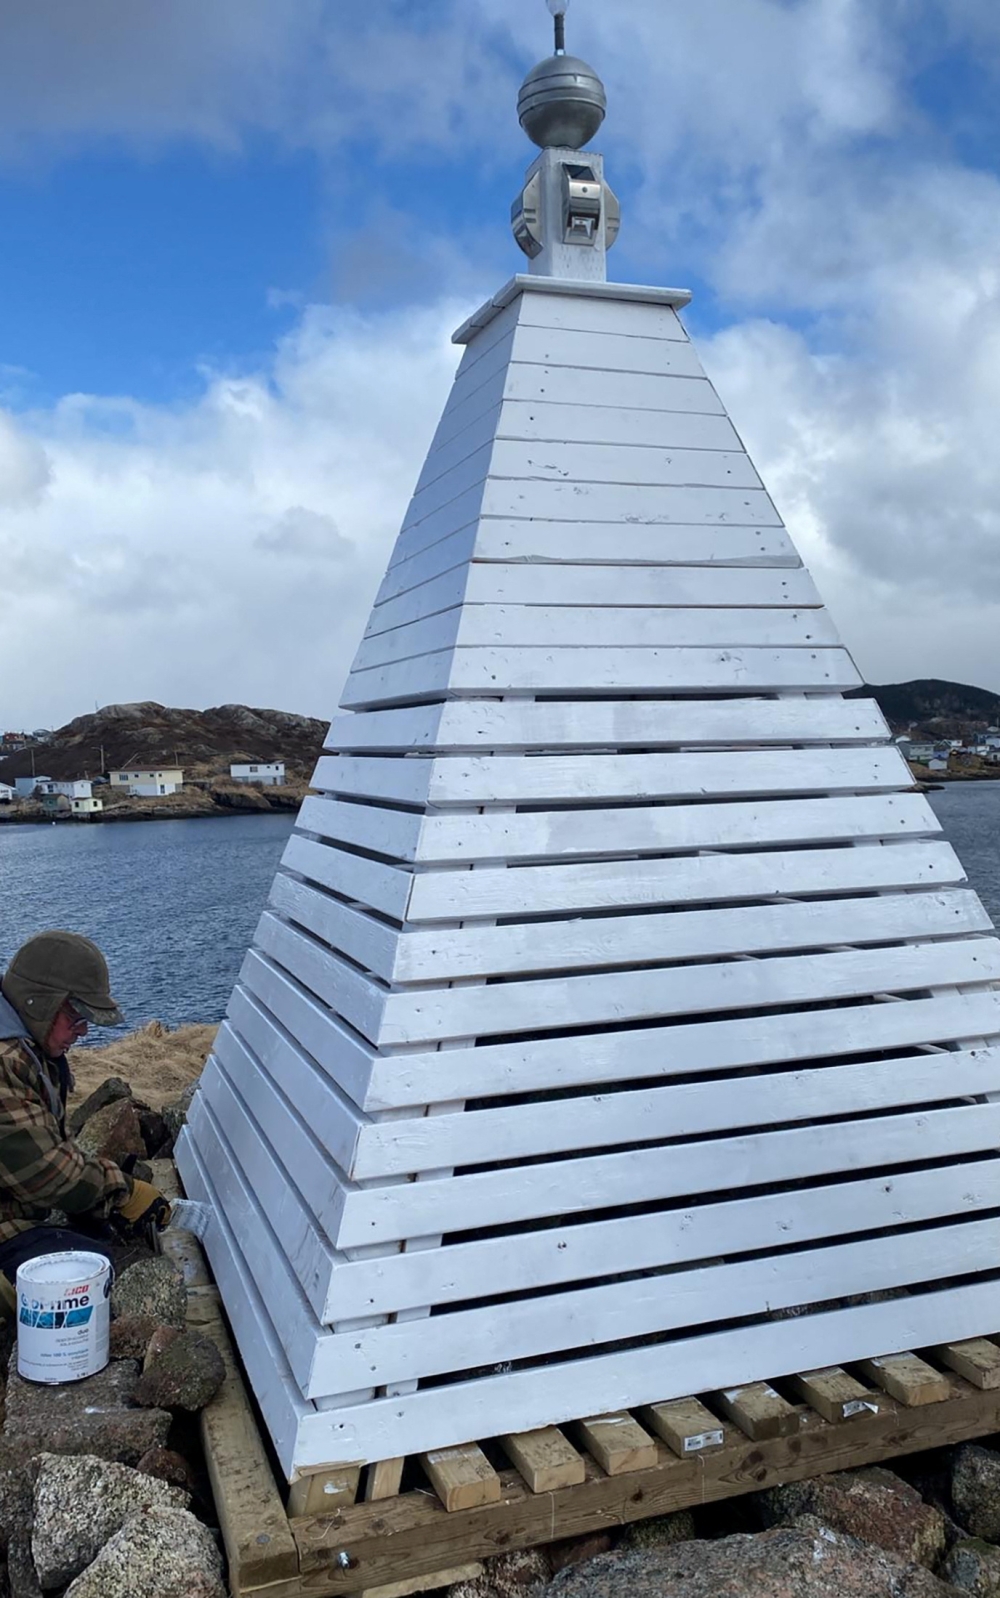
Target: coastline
197, 804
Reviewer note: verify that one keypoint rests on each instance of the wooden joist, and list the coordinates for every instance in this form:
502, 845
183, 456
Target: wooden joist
759, 1411
618, 1443
835, 1394
906, 1378
463, 1478
685, 1425
546, 1459
977, 1360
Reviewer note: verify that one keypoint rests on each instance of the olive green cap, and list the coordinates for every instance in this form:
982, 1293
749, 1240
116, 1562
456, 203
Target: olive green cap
54, 967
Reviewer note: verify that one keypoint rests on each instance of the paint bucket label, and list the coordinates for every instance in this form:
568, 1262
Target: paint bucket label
63, 1316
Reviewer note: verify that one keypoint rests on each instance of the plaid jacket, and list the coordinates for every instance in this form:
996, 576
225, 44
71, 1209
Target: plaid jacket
41, 1169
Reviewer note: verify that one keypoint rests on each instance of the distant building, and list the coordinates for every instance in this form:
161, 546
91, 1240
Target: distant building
269, 775
146, 783
7, 793
26, 785
42, 735
912, 749
74, 788
938, 762
11, 742
84, 808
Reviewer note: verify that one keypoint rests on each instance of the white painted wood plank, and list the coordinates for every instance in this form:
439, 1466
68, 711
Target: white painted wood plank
485, 583
473, 672
265, 987
608, 424
584, 627
580, 314
622, 464
592, 942
640, 504
345, 989
588, 1250
649, 1115
465, 726
550, 1394
449, 554
597, 1000
381, 887
368, 942
445, 457
604, 352
489, 360
386, 832
539, 890
467, 1340
467, 402
561, 834
694, 1048
588, 1184
500, 328
582, 542
442, 523
447, 488
568, 385
590, 778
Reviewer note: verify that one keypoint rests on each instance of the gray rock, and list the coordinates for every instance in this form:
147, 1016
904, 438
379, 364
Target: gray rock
80, 1502
164, 1553
973, 1566
18, 1467
153, 1288
520, 1574
975, 1490
167, 1465
111, 1088
130, 1336
186, 1374
154, 1128
113, 1133
662, 1532
174, 1115
21, 1568
872, 1505
95, 1416
805, 1561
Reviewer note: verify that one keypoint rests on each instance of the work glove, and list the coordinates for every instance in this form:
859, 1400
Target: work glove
144, 1210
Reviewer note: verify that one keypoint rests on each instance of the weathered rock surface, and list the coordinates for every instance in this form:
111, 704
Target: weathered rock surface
517, 1575
973, 1566
167, 1465
174, 1115
975, 1490
663, 1532
805, 1561
578, 1550
130, 1335
113, 1133
21, 1568
873, 1505
160, 1340
153, 1126
110, 1089
80, 1502
18, 1467
89, 1417
153, 1288
187, 1374
162, 1553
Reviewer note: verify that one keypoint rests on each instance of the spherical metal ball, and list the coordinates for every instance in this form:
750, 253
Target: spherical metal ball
562, 103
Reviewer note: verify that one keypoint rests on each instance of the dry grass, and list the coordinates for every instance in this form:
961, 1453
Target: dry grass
157, 1063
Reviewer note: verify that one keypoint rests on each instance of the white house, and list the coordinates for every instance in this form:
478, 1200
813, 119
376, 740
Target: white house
269, 775
86, 806
7, 793
75, 788
26, 786
145, 782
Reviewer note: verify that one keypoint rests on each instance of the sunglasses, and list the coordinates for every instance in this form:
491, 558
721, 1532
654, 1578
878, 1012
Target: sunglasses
73, 1015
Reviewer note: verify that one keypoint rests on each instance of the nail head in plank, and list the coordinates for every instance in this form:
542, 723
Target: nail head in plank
685, 1425
759, 1411
323, 1492
834, 1394
618, 1443
546, 1459
907, 1378
463, 1478
383, 1480
976, 1359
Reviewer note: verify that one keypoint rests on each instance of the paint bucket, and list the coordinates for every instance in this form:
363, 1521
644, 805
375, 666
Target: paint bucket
63, 1316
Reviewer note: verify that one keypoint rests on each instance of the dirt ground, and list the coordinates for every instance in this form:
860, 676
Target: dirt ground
158, 1064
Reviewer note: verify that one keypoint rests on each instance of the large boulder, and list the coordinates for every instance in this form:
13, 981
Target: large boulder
80, 1502
872, 1505
151, 1288
95, 1416
974, 1566
111, 1088
975, 1490
186, 1374
804, 1561
113, 1133
520, 1574
162, 1553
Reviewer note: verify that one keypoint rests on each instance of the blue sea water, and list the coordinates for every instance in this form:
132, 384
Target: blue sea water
173, 904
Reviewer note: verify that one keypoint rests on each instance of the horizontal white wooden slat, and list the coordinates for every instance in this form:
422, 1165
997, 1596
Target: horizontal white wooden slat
604, 352
472, 672
501, 327
438, 954
584, 315
428, 1143
604, 834
366, 941
528, 462
442, 523
564, 385
489, 361
340, 984
541, 890
445, 457
465, 726
590, 778
448, 487
588, 1250
345, 1057
599, 627
684, 1049
486, 583
642, 504
378, 886
587, 1184
471, 1339
446, 556
607, 543
470, 398
607, 424
597, 1000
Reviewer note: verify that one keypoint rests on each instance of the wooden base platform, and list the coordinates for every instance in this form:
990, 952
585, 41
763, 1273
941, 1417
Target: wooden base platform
399, 1527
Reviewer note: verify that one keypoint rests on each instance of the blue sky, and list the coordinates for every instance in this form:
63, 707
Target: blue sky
234, 239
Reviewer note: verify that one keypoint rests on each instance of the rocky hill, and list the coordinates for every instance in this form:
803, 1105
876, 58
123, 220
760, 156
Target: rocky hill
204, 742
933, 707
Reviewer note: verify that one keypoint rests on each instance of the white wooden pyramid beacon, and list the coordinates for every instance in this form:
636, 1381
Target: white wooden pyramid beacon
617, 994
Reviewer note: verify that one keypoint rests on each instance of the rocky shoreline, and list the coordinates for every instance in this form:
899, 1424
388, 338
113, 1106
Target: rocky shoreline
199, 802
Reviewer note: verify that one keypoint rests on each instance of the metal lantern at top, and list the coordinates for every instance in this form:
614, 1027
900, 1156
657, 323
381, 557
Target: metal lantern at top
562, 102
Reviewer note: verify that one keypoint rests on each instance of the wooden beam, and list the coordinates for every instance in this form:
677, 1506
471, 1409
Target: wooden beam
326, 1490
758, 1411
463, 1478
834, 1394
977, 1360
546, 1459
905, 1377
618, 1443
383, 1480
685, 1425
